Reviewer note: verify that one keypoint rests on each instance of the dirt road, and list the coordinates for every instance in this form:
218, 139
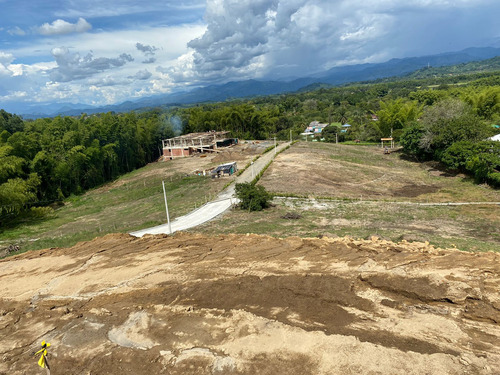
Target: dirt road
191, 304
219, 205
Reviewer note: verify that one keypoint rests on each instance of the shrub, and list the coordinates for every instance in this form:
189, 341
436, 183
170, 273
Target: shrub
41, 212
459, 153
252, 197
411, 139
482, 166
494, 179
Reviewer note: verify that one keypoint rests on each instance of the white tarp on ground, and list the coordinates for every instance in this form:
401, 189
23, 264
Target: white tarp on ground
495, 138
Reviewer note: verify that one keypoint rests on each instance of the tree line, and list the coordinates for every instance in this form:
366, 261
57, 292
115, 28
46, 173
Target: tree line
46, 160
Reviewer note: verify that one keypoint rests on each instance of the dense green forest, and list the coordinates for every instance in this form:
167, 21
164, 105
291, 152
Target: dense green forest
446, 118
45, 160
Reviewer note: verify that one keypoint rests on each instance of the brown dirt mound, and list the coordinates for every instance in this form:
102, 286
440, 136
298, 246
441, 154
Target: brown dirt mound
193, 304
228, 156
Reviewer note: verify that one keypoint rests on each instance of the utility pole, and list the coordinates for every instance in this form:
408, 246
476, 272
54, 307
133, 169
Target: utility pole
275, 146
336, 138
252, 171
290, 135
166, 208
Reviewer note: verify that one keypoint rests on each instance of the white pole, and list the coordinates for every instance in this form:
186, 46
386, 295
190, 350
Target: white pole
252, 171
274, 145
166, 208
290, 135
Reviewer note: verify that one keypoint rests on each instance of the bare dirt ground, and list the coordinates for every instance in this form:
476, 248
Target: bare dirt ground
364, 172
195, 304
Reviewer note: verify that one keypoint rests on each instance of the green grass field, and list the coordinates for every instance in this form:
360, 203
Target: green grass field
368, 193
134, 201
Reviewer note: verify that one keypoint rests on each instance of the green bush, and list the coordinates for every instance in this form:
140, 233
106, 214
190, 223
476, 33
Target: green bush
459, 153
41, 212
482, 166
252, 197
494, 179
410, 140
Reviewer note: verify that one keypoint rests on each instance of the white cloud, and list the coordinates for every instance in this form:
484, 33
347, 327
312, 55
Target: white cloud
240, 39
142, 75
15, 95
98, 68
17, 31
148, 50
61, 27
6, 58
106, 80
110, 72
149, 60
114, 8
5, 62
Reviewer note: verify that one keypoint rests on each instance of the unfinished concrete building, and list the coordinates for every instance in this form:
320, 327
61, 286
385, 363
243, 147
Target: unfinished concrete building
189, 144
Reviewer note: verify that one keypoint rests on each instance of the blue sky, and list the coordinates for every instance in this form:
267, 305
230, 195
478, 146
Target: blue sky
107, 51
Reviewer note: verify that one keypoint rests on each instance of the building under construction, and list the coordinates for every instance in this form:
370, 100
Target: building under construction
189, 144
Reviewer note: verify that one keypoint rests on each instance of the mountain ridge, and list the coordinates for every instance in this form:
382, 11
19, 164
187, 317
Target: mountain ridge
396, 67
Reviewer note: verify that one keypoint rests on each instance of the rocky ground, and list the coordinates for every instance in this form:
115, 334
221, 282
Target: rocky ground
194, 304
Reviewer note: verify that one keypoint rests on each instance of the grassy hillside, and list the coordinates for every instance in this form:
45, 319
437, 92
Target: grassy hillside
132, 202
358, 191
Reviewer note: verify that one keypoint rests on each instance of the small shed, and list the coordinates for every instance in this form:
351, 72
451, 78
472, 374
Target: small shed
225, 170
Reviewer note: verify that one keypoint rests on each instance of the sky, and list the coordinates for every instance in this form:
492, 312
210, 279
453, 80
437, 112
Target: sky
101, 52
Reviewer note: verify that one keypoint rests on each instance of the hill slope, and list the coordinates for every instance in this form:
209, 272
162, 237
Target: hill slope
250, 305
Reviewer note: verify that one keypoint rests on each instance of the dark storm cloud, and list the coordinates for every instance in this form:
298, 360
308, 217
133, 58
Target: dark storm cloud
71, 66
269, 38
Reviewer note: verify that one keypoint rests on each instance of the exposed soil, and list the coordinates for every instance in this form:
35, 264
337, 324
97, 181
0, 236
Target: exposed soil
412, 190
194, 304
365, 172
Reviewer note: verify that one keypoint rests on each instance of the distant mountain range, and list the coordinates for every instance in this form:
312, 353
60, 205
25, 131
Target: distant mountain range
250, 88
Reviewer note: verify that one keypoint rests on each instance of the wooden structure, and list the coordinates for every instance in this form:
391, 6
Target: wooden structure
186, 145
225, 169
391, 140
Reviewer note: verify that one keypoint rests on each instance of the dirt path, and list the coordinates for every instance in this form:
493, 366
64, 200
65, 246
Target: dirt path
219, 205
191, 304
313, 201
